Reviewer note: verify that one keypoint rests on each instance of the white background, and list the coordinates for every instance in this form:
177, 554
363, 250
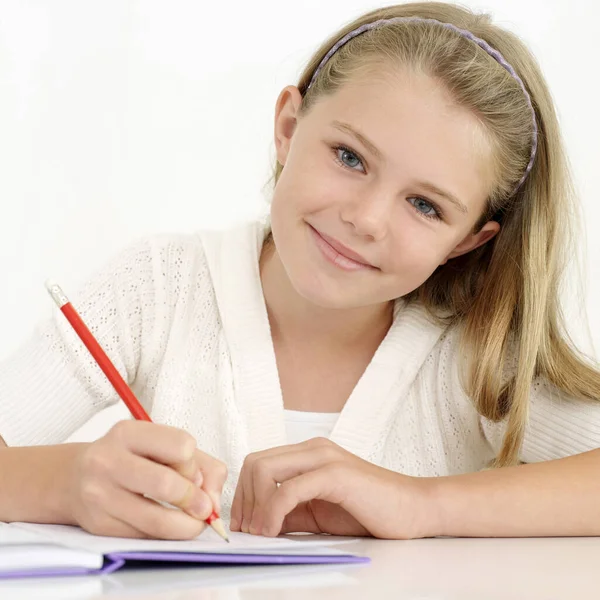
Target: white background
121, 118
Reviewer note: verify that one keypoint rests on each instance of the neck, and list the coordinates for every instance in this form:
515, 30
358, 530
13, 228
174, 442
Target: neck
293, 318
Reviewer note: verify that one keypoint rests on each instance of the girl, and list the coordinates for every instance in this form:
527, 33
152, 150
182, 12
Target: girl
376, 358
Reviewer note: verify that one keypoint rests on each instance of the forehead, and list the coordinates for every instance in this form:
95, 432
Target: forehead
418, 128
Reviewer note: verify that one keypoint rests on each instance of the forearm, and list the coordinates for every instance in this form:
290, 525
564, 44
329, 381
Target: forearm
553, 498
33, 483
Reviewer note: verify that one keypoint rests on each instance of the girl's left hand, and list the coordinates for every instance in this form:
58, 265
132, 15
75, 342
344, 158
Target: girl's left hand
318, 487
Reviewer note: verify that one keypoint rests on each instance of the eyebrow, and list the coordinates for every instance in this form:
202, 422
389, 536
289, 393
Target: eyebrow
430, 187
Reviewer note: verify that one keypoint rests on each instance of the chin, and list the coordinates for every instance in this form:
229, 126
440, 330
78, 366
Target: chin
324, 300
324, 292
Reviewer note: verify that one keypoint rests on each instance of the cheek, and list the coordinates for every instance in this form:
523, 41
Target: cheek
308, 183
417, 251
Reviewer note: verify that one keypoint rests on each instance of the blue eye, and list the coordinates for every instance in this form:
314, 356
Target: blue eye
347, 158
421, 203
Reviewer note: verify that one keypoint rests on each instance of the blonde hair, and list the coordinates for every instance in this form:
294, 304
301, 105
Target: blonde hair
505, 294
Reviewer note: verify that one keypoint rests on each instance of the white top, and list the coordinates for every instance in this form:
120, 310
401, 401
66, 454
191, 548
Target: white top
184, 320
301, 426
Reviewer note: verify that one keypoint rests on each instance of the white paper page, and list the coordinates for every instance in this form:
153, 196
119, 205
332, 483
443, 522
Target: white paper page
17, 557
22, 550
208, 542
16, 535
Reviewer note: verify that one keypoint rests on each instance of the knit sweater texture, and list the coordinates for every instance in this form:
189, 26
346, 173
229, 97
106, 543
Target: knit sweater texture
183, 318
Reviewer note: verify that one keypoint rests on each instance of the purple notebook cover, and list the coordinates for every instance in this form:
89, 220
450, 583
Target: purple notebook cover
116, 560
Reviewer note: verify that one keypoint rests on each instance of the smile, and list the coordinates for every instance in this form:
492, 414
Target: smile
338, 255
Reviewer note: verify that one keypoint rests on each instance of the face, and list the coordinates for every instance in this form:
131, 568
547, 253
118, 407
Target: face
363, 218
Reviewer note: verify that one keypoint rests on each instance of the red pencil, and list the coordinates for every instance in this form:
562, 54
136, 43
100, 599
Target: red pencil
132, 403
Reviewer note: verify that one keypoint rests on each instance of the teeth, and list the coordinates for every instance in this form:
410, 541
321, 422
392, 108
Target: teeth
343, 260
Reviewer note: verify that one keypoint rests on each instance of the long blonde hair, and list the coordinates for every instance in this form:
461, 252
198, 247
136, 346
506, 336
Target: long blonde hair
505, 294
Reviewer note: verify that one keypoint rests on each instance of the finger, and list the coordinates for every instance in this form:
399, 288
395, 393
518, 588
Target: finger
160, 482
246, 483
319, 484
206, 472
113, 527
161, 443
212, 476
189, 470
269, 471
243, 506
248, 495
151, 518
235, 523
306, 445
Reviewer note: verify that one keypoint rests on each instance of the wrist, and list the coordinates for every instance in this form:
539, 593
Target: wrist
36, 483
56, 484
62, 494
416, 507
431, 506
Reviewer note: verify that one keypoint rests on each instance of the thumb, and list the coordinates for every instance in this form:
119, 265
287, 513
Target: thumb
300, 519
320, 516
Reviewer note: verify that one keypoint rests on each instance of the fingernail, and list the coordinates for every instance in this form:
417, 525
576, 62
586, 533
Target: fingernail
199, 507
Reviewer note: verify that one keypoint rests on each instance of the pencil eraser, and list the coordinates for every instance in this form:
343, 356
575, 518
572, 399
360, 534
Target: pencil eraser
56, 292
50, 283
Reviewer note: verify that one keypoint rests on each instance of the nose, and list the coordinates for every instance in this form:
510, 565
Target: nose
369, 214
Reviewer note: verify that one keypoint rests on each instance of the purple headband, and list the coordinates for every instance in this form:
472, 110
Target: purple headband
467, 34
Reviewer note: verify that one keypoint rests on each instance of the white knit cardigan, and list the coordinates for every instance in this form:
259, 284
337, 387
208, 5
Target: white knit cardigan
184, 320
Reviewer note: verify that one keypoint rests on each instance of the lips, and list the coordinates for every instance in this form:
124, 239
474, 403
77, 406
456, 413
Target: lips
344, 250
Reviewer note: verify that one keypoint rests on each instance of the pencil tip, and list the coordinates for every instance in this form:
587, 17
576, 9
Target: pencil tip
218, 526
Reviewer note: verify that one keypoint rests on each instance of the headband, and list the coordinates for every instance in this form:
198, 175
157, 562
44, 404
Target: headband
465, 33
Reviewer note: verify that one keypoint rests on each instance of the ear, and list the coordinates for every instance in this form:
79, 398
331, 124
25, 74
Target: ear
286, 110
474, 240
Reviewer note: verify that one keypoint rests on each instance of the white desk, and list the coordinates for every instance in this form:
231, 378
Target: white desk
432, 569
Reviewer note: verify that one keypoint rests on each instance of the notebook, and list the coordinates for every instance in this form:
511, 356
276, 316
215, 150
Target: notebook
34, 550
180, 581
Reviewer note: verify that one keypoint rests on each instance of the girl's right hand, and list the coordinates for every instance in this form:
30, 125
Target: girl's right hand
111, 476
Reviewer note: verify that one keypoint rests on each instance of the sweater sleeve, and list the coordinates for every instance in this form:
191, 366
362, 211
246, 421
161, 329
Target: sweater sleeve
558, 425
51, 385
